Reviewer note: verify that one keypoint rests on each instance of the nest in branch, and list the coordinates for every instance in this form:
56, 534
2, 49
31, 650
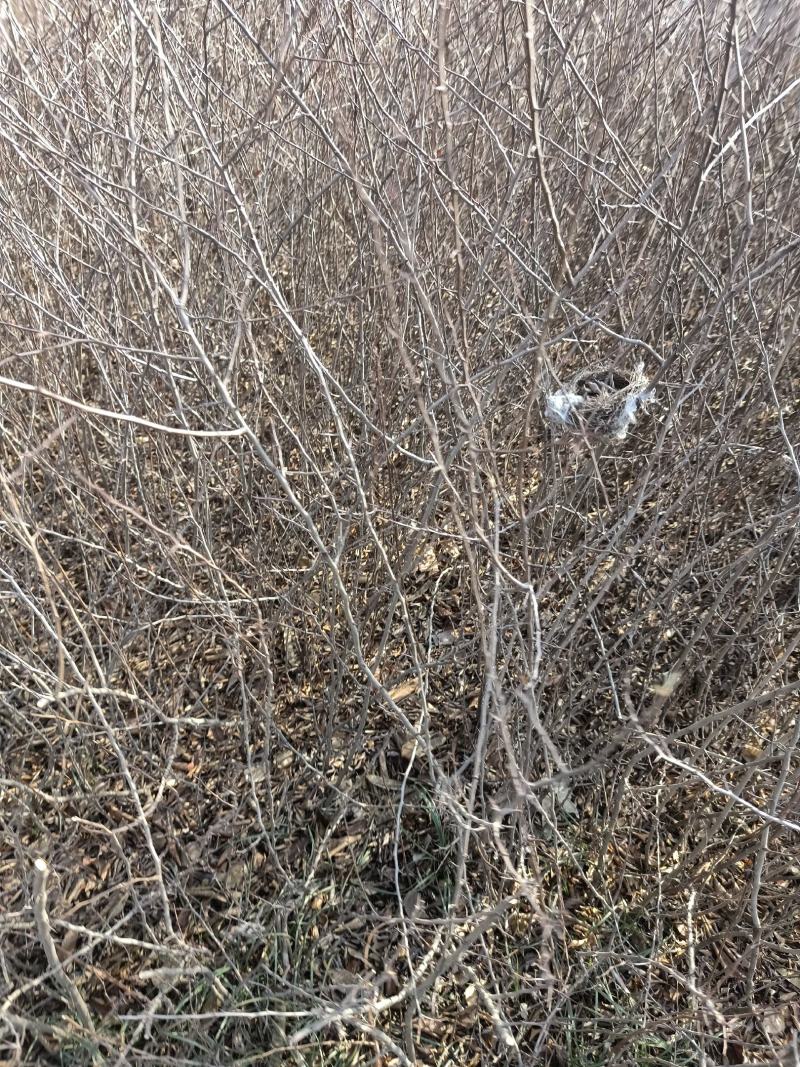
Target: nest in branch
600, 401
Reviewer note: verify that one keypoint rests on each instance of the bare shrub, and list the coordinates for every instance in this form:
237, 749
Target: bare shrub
357, 713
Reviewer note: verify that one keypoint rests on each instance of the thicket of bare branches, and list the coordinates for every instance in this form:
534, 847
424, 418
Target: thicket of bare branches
352, 712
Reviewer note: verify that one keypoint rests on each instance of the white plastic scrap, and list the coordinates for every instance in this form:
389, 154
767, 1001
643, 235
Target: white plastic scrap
627, 417
561, 406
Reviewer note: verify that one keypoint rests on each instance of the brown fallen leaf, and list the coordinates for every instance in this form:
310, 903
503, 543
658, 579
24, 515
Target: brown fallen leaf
405, 689
342, 843
407, 751
382, 781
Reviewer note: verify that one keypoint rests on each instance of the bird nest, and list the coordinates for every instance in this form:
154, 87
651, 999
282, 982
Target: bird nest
600, 401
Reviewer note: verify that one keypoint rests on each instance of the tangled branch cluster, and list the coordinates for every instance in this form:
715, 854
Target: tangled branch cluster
352, 711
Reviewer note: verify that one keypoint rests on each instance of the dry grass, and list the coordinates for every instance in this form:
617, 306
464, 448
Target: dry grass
357, 714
